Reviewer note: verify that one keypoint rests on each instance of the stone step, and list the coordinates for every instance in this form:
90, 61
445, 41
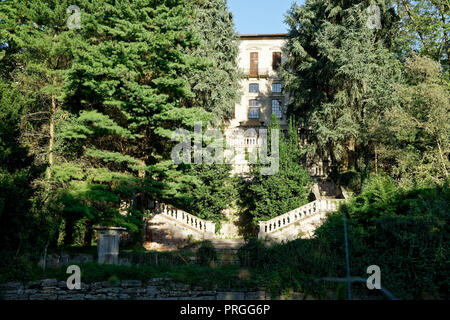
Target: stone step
226, 244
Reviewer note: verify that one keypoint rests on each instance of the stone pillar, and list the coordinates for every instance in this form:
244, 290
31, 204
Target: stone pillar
262, 232
108, 244
210, 230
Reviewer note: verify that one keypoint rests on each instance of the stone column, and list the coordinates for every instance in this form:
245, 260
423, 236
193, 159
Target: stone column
262, 232
108, 244
210, 230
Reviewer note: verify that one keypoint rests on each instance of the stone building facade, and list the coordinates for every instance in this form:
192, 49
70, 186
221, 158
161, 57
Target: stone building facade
260, 59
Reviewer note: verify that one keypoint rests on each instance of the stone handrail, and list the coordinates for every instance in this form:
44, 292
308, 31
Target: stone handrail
262, 72
185, 218
310, 209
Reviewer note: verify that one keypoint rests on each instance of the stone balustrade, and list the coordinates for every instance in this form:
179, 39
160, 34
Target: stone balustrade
317, 169
262, 72
187, 219
297, 216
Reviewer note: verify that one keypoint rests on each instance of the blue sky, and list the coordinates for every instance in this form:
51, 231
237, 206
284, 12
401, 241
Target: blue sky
260, 16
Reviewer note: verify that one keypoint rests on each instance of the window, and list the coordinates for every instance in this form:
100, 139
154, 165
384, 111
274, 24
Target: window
254, 103
253, 88
276, 87
253, 64
276, 108
253, 110
276, 60
253, 113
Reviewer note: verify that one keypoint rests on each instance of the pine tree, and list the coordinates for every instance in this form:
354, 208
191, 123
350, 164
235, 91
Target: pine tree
37, 54
211, 189
339, 74
216, 85
126, 93
25, 225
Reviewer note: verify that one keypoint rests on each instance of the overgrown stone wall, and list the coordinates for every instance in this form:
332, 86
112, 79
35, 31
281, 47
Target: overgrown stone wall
154, 289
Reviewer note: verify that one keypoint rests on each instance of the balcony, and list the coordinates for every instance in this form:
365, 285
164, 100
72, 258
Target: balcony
260, 73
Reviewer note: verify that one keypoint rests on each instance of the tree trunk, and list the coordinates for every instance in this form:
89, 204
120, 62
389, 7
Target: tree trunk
88, 233
69, 230
52, 135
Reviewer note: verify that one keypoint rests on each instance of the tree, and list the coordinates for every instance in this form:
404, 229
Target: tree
23, 225
268, 196
107, 96
37, 52
339, 75
216, 85
425, 29
415, 133
391, 226
211, 190
125, 94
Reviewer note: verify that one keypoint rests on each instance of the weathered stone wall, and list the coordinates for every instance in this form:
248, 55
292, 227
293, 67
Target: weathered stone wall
154, 289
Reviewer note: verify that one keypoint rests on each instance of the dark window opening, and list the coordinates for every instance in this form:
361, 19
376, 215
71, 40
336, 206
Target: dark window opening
276, 60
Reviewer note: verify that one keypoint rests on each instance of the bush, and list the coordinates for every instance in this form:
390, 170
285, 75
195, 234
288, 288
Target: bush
268, 196
351, 180
404, 232
206, 254
254, 254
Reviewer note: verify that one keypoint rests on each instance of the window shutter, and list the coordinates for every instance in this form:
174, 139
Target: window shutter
253, 64
276, 60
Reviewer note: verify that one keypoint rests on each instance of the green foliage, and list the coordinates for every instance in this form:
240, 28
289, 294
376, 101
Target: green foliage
405, 232
209, 190
206, 254
226, 277
21, 228
268, 196
339, 74
424, 28
102, 102
254, 254
125, 88
351, 180
414, 135
98, 105
216, 84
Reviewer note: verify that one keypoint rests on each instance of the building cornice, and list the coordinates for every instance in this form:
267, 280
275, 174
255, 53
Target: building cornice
263, 36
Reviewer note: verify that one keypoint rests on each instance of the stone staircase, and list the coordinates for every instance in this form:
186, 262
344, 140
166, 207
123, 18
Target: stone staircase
169, 228
298, 223
327, 189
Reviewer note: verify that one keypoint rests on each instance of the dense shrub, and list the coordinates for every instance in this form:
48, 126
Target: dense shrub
206, 254
351, 180
266, 196
254, 254
404, 232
